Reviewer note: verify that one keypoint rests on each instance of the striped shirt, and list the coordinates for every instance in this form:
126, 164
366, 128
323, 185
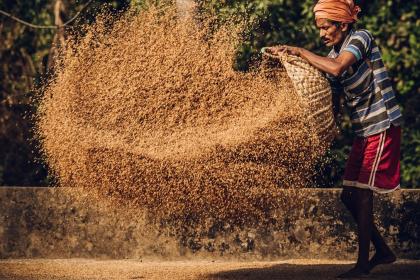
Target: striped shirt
369, 96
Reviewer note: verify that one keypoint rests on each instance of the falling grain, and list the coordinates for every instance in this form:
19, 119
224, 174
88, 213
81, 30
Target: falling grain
152, 115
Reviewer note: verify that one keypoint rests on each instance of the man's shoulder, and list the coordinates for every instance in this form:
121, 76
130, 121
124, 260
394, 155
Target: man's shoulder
362, 34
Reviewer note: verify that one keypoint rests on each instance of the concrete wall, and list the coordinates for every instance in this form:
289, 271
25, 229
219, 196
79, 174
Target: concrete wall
50, 223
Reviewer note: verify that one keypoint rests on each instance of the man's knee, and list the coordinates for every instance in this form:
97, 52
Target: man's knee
364, 196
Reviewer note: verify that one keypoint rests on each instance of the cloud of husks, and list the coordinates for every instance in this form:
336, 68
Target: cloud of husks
150, 113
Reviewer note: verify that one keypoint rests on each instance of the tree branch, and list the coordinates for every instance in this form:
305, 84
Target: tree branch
27, 23
78, 13
46, 26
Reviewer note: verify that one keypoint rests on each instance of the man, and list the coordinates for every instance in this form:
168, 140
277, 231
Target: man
354, 66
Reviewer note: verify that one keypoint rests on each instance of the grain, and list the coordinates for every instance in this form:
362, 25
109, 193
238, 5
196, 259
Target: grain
149, 113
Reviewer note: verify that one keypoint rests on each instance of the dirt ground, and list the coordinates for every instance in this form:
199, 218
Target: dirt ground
66, 269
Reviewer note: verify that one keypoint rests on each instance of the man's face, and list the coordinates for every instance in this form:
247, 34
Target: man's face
330, 33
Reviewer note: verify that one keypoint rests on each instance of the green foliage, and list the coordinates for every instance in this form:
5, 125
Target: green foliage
272, 22
23, 55
410, 161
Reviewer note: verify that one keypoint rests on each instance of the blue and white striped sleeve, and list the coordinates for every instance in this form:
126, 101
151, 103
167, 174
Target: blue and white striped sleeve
360, 44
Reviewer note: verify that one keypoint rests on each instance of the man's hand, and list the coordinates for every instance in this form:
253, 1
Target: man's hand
279, 50
332, 66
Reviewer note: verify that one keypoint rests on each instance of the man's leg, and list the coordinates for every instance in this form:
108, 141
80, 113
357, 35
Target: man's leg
364, 200
357, 201
383, 253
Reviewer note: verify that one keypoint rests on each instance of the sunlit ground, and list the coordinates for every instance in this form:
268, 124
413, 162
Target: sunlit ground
66, 269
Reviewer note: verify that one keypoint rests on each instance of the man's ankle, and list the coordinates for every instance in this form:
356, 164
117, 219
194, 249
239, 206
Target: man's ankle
384, 252
363, 267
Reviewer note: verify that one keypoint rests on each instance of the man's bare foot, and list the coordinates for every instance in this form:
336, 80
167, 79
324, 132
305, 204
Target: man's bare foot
378, 259
355, 272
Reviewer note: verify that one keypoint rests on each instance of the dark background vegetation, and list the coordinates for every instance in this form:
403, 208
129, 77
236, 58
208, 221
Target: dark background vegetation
25, 51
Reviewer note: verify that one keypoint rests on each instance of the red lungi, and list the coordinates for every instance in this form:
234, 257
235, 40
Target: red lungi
374, 162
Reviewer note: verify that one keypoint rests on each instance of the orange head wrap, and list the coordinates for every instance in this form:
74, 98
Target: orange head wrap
337, 10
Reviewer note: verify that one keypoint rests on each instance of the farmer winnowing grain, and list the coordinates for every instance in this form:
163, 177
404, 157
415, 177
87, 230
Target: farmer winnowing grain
354, 66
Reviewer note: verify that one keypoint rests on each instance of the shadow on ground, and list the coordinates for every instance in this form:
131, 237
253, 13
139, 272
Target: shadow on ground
397, 271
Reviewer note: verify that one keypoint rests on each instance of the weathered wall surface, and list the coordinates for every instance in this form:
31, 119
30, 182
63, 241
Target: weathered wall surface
49, 223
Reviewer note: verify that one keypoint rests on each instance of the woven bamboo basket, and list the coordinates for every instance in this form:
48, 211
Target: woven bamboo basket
315, 93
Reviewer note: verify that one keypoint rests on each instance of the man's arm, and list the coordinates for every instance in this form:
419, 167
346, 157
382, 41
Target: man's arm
333, 66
